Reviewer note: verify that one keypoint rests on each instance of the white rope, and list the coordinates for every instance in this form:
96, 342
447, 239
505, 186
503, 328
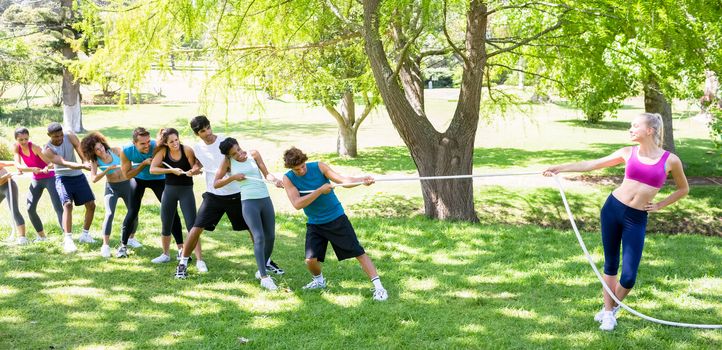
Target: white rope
604, 284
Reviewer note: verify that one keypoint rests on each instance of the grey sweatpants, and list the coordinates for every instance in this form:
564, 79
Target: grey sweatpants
114, 191
33, 198
12, 202
172, 196
261, 220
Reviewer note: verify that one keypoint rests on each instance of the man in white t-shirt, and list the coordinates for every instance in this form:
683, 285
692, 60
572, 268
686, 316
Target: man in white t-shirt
216, 201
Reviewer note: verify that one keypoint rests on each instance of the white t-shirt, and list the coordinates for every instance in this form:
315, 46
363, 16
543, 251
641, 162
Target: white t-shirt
211, 158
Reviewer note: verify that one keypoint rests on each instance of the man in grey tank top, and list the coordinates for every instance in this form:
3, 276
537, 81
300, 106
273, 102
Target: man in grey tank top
70, 182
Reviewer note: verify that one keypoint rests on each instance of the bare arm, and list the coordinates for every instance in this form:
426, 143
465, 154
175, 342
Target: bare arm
680, 181
297, 200
76, 145
341, 179
611, 160
19, 162
191, 155
52, 157
262, 166
157, 167
221, 179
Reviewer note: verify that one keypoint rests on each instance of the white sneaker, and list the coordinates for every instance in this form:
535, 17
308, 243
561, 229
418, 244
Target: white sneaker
268, 283
22, 240
161, 259
315, 284
85, 238
105, 251
133, 243
40, 239
608, 321
201, 266
380, 294
258, 275
600, 314
69, 245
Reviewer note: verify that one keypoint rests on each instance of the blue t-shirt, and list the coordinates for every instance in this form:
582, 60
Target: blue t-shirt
135, 156
326, 207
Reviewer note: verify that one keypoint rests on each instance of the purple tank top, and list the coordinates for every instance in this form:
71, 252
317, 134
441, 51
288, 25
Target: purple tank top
651, 174
33, 160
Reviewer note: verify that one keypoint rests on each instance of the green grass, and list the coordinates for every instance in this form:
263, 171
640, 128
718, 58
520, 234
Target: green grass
452, 285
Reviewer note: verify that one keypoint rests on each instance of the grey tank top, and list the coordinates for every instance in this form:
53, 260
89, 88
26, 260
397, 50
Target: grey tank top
67, 152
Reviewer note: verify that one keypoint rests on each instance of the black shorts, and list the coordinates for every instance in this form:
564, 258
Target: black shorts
341, 235
214, 206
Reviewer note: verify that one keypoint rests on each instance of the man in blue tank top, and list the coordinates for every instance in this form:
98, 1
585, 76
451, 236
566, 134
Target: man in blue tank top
308, 187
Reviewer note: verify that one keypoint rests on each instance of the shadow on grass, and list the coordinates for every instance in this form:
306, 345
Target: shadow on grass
31, 117
699, 155
602, 125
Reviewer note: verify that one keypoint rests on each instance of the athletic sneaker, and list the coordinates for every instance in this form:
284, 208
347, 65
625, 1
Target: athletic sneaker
608, 321
181, 272
69, 245
40, 239
133, 243
122, 252
201, 266
105, 251
22, 240
85, 238
600, 314
273, 267
258, 275
315, 284
268, 283
380, 294
161, 259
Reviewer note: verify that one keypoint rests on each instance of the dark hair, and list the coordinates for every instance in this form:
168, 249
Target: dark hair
54, 127
199, 122
226, 145
21, 131
293, 157
87, 145
162, 140
138, 132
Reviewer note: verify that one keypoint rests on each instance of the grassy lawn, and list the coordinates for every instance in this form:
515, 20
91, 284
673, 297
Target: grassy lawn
517, 280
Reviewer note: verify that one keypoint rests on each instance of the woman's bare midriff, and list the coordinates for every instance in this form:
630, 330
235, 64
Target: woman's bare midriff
635, 194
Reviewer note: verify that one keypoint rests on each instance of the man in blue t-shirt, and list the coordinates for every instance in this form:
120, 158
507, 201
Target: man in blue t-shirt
308, 187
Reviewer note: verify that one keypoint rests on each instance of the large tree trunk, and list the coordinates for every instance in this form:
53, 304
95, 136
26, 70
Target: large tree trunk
435, 153
72, 115
656, 102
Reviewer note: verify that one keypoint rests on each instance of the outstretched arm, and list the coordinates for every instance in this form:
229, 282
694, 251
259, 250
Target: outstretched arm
341, 179
604, 162
262, 166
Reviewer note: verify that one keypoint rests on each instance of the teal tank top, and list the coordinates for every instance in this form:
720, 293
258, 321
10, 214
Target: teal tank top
135, 156
326, 207
114, 161
250, 189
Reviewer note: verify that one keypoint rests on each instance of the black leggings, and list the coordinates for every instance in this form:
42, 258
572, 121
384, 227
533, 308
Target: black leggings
157, 186
172, 196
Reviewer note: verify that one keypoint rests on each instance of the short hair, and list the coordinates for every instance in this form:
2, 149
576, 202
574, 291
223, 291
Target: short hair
87, 145
293, 157
138, 132
199, 123
21, 131
226, 145
55, 127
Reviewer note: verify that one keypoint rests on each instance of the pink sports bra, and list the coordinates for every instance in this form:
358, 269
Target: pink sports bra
651, 174
33, 160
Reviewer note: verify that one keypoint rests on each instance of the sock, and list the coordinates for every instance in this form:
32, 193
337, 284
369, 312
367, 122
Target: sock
85, 232
268, 263
69, 235
377, 282
319, 277
184, 261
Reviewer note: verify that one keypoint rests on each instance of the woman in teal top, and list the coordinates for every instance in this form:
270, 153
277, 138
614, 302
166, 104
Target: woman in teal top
257, 205
105, 162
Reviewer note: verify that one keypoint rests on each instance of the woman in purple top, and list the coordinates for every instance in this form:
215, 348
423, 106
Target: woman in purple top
29, 158
624, 215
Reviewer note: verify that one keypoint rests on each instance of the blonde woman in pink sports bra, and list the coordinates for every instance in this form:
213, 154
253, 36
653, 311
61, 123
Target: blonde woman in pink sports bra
624, 214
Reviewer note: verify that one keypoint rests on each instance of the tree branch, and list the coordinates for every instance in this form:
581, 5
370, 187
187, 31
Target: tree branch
336, 115
336, 12
526, 72
529, 39
451, 42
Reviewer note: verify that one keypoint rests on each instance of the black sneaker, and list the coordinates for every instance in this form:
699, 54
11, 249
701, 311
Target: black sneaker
273, 267
181, 271
122, 252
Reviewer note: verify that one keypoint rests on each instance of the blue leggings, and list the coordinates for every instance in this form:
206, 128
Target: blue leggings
625, 226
